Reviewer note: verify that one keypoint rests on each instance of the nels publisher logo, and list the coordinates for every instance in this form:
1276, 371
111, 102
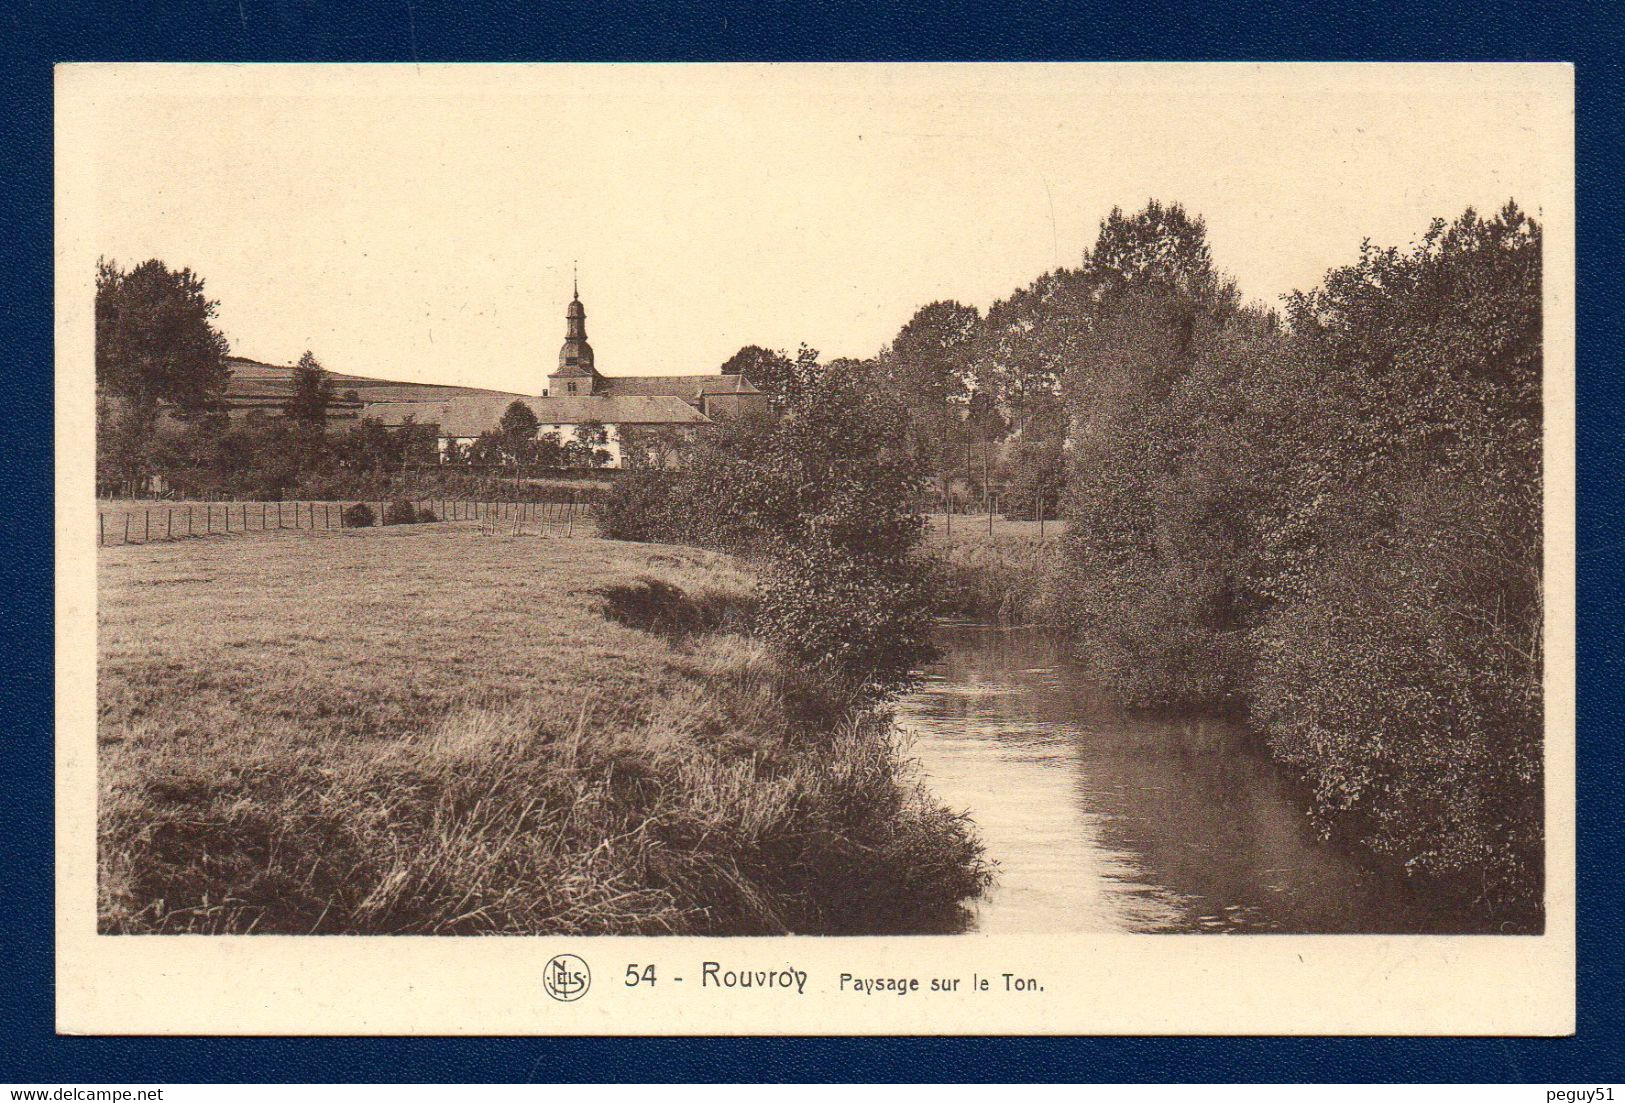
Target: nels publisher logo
566, 978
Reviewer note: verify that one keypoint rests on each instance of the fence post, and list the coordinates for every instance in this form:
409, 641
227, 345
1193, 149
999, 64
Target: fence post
169, 524
126, 528
101, 528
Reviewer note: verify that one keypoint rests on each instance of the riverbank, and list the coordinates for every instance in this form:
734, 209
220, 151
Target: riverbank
1011, 581
1106, 819
999, 577
434, 729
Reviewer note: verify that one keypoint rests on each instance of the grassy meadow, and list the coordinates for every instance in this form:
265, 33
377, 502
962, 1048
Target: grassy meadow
972, 528
997, 577
453, 729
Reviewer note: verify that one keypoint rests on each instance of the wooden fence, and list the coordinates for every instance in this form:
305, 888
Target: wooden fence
141, 523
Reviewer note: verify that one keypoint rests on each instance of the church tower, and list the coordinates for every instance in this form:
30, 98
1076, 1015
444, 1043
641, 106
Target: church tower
576, 375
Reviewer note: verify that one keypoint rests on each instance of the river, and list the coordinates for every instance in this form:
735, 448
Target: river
1107, 820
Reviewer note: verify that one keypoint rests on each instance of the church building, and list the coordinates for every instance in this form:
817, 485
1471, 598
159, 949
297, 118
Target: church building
576, 394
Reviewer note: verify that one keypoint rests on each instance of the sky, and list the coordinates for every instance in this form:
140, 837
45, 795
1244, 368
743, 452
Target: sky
421, 223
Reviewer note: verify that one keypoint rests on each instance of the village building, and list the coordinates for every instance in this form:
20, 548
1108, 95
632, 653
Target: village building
577, 395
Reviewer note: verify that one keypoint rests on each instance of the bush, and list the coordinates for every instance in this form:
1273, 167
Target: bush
427, 516
400, 512
359, 516
636, 507
825, 497
865, 619
1335, 525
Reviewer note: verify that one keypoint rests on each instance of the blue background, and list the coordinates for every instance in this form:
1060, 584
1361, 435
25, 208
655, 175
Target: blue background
34, 35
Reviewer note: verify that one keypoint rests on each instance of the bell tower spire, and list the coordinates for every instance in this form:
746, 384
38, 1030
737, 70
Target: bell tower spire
576, 374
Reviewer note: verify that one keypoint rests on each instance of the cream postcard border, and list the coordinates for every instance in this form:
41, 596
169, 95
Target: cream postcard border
1127, 984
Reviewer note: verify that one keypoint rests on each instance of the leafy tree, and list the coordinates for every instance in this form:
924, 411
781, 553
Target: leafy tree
156, 345
591, 433
1334, 525
489, 449
654, 446
775, 374
1161, 245
1034, 473
312, 391
126, 442
763, 367
548, 451
930, 358
825, 496
155, 337
519, 426
929, 367
1401, 664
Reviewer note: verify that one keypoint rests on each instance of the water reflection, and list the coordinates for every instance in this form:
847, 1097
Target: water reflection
1103, 820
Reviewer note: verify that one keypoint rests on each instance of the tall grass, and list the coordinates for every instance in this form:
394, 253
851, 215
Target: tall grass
442, 733
1002, 579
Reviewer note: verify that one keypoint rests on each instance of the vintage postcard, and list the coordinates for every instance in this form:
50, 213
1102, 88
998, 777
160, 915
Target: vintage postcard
815, 549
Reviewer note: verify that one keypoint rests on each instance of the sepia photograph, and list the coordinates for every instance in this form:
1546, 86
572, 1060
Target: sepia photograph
836, 500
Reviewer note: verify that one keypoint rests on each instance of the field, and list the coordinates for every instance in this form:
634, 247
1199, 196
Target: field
453, 729
998, 576
972, 528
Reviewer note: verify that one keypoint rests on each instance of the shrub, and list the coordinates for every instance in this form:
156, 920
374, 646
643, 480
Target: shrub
400, 512
865, 620
1336, 525
427, 516
636, 507
359, 516
826, 497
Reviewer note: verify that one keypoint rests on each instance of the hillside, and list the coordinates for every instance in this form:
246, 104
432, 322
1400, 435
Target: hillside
257, 385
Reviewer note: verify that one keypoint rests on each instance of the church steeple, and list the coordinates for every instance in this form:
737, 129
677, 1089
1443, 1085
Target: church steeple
576, 374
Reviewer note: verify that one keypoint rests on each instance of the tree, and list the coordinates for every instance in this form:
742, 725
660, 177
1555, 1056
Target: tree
155, 345
929, 361
1400, 666
586, 446
155, 338
1034, 473
1160, 245
489, 449
826, 497
549, 452
519, 422
774, 373
518, 427
312, 391
654, 446
929, 366
761, 366
1143, 606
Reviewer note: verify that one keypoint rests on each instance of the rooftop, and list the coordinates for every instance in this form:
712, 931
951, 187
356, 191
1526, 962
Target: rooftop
689, 387
469, 417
